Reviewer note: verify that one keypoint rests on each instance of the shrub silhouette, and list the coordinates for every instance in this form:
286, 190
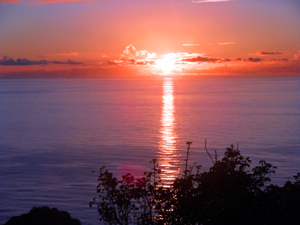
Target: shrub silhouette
229, 193
43, 216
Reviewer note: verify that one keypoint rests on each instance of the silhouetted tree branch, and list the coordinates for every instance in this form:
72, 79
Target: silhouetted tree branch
229, 193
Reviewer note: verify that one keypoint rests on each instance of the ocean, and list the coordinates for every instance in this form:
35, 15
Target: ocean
55, 131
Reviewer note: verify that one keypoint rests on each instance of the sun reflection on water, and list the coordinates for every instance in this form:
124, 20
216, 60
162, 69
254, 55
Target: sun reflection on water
168, 159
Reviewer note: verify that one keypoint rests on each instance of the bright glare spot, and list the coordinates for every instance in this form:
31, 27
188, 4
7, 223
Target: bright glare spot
166, 64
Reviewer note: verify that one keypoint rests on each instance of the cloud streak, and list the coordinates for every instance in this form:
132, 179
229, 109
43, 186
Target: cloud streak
273, 53
7, 61
262, 53
190, 45
201, 59
226, 43
69, 62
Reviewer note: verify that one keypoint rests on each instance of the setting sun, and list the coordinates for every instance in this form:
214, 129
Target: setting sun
166, 64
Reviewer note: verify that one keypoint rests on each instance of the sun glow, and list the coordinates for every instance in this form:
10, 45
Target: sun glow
166, 64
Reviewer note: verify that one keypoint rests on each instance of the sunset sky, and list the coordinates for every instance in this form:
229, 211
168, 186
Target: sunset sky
148, 37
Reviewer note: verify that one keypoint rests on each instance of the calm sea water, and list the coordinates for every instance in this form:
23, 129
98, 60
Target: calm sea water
54, 132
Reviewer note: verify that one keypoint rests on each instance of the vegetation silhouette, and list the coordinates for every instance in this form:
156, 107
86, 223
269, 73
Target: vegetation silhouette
43, 216
229, 193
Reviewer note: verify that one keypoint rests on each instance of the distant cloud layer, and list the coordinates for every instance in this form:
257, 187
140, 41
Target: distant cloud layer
260, 52
11, 62
208, 59
131, 59
7, 61
201, 59
69, 62
270, 53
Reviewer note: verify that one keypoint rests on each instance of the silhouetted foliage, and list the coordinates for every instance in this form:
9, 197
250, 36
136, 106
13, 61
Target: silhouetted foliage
229, 193
43, 216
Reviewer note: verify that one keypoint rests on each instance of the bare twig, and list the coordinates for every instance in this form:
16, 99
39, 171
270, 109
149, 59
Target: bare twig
187, 157
216, 156
208, 153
